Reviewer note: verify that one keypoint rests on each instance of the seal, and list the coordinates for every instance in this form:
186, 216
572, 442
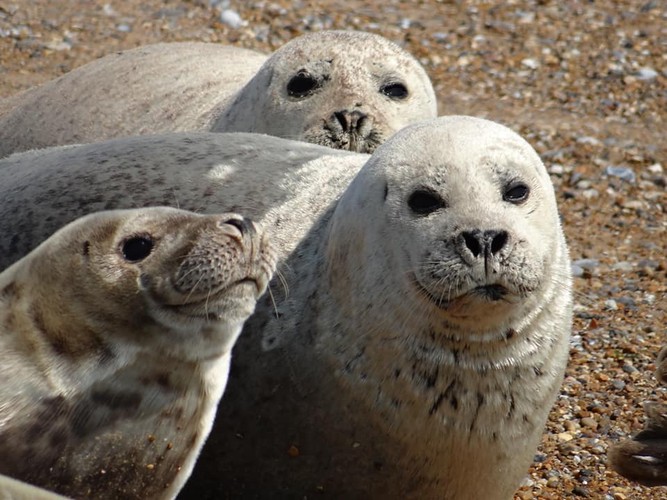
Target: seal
425, 332
643, 458
16, 490
116, 335
342, 89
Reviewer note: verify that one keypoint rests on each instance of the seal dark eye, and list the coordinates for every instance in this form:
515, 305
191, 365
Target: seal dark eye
423, 202
302, 84
137, 248
516, 193
395, 90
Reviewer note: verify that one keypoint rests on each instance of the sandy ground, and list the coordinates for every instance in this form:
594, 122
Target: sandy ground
584, 82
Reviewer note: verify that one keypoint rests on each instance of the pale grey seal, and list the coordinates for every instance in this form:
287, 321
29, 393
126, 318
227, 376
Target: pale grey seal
116, 336
425, 330
342, 89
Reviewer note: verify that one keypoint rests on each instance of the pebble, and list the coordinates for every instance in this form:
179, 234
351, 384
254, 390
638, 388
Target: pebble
530, 63
646, 74
610, 305
586, 263
623, 173
623, 266
619, 385
232, 19
589, 422
656, 168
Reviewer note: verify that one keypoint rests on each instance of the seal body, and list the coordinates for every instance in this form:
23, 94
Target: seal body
12, 489
643, 458
424, 333
116, 341
347, 90
156, 88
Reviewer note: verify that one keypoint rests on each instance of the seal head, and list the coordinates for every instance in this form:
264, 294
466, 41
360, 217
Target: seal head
116, 337
342, 89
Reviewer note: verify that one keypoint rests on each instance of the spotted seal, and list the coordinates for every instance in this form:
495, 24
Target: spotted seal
116, 335
342, 89
425, 332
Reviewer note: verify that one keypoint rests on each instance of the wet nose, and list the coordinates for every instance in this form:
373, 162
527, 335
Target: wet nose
245, 226
485, 243
349, 120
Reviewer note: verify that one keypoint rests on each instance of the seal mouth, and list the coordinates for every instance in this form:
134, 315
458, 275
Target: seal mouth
489, 293
209, 308
493, 293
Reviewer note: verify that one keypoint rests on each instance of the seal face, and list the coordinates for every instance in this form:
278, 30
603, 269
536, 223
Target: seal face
643, 458
116, 339
341, 89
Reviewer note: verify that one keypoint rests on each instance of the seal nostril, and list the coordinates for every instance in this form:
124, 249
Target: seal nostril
241, 224
472, 241
343, 118
498, 240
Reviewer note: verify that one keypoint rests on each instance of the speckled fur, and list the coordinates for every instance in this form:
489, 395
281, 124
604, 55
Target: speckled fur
112, 368
198, 86
386, 391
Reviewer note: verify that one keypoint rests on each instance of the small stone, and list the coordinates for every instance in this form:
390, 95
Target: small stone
527, 482
627, 302
656, 168
530, 63
646, 74
580, 491
610, 305
619, 385
553, 482
622, 266
232, 19
623, 173
556, 169
586, 263
564, 437
589, 194
629, 368
589, 422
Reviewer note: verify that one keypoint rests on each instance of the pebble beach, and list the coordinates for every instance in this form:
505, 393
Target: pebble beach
585, 82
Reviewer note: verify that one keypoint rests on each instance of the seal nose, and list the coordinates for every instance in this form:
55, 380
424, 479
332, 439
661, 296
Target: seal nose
350, 121
244, 225
485, 243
